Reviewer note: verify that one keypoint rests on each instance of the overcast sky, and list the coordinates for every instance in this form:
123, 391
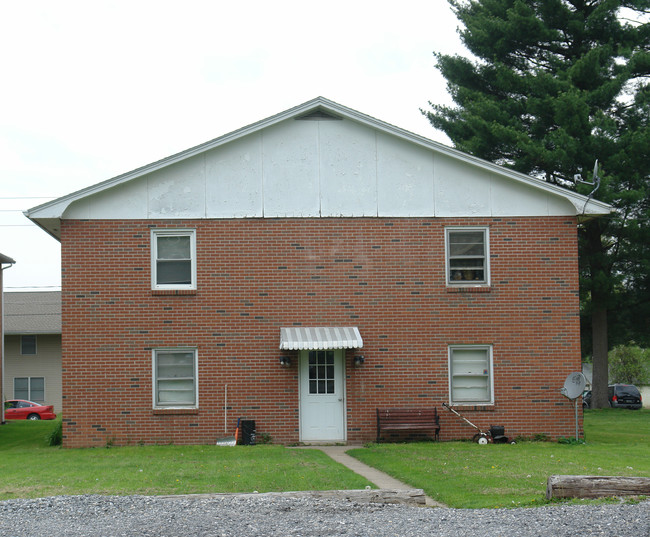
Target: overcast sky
93, 89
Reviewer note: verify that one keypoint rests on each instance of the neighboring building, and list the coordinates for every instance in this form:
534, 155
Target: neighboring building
314, 238
5, 263
33, 347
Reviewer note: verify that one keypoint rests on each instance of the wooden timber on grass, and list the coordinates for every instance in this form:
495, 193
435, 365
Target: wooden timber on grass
596, 486
415, 497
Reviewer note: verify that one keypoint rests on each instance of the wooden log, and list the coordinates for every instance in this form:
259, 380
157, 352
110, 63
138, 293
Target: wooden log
408, 497
596, 486
414, 497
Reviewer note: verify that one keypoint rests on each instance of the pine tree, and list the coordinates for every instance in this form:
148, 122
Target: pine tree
552, 86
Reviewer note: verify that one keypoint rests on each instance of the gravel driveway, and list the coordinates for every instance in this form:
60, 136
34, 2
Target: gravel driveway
277, 515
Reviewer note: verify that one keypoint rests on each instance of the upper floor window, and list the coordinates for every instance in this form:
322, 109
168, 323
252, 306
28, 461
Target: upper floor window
173, 259
27, 344
467, 251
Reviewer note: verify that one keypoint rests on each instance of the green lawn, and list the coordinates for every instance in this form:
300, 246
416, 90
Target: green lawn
466, 475
30, 469
458, 474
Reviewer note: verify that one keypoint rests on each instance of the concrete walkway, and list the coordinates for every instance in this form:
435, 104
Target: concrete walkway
380, 479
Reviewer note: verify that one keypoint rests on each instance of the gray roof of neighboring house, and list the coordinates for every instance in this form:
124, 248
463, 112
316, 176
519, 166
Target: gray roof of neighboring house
6, 259
36, 312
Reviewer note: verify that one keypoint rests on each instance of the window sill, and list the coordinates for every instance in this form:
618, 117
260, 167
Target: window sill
485, 407
469, 289
175, 411
173, 292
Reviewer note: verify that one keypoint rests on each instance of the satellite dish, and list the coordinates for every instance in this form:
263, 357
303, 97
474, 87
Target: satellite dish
574, 385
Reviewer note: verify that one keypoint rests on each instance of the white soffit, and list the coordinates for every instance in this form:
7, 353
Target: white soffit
320, 338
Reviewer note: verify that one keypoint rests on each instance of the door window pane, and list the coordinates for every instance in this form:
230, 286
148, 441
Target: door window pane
321, 372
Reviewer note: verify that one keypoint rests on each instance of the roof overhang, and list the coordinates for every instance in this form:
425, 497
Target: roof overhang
320, 338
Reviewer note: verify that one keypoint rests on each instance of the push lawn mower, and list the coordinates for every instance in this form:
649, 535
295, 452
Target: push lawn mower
494, 435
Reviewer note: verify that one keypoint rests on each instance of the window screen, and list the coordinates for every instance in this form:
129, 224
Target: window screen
470, 373
175, 382
467, 256
174, 259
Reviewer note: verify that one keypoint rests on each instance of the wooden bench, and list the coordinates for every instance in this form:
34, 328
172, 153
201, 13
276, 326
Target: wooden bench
408, 419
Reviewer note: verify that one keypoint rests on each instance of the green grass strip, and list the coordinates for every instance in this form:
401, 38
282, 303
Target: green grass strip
30, 468
466, 475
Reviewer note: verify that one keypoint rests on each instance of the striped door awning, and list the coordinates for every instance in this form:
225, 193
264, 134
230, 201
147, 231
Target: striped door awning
320, 338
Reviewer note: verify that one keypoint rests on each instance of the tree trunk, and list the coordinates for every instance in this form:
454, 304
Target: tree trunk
600, 373
599, 274
591, 486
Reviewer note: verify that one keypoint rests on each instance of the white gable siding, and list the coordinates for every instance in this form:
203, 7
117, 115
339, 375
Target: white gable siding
234, 187
463, 190
348, 169
290, 169
178, 191
319, 169
407, 172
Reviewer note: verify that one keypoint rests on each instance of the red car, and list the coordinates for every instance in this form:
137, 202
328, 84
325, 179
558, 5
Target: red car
19, 409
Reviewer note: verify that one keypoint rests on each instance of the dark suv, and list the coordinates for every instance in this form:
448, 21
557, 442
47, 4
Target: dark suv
624, 396
619, 395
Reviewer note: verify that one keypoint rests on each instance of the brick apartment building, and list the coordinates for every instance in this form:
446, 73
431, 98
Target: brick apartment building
307, 269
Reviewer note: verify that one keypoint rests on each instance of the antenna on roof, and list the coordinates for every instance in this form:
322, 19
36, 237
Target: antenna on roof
595, 182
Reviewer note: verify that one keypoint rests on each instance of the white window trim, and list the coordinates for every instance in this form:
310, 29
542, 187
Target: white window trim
486, 233
181, 232
154, 380
487, 348
29, 388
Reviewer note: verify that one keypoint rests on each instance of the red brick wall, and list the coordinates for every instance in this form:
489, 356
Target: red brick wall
384, 275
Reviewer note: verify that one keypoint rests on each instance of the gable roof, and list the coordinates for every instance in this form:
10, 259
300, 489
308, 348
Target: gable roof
48, 215
37, 312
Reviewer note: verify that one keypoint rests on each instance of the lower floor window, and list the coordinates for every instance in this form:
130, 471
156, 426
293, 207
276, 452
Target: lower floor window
470, 374
30, 388
175, 378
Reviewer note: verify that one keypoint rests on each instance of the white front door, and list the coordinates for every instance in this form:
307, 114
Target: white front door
322, 396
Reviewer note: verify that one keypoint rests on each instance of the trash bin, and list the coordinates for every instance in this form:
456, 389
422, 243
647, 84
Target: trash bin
247, 432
